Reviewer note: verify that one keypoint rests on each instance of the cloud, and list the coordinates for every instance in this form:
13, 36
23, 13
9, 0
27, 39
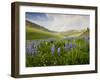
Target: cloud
61, 22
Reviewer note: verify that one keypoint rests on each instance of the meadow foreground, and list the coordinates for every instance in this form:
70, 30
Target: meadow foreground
54, 52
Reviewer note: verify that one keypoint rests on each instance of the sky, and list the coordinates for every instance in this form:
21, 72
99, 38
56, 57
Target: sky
59, 22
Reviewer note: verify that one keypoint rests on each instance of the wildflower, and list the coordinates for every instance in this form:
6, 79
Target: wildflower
59, 51
35, 46
33, 51
32, 42
66, 46
29, 49
52, 49
70, 45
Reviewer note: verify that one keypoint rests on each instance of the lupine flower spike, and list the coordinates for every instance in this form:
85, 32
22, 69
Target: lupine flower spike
70, 45
66, 46
59, 51
52, 49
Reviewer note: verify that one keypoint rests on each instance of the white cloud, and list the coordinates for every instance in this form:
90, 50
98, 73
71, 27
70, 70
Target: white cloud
61, 22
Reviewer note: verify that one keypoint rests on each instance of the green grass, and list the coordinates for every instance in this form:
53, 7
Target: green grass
71, 56
33, 33
72, 33
44, 57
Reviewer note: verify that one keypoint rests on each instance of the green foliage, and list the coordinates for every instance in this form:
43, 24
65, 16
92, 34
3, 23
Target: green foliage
70, 56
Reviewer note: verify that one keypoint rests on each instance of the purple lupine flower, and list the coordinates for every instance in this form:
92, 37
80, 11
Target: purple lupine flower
29, 49
33, 51
59, 51
32, 42
70, 45
52, 49
35, 46
66, 46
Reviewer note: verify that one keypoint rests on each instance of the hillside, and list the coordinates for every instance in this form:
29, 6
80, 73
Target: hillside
72, 33
75, 33
34, 31
85, 33
30, 24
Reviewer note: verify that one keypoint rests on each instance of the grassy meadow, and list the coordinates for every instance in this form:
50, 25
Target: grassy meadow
47, 48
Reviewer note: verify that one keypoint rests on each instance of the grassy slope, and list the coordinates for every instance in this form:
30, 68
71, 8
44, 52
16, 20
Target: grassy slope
33, 25
78, 54
72, 33
85, 34
34, 33
75, 33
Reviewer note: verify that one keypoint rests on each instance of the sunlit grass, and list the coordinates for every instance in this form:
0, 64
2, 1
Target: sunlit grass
33, 33
72, 52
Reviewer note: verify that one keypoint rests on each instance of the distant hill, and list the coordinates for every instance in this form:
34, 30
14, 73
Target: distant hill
76, 33
35, 31
85, 33
30, 24
71, 33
